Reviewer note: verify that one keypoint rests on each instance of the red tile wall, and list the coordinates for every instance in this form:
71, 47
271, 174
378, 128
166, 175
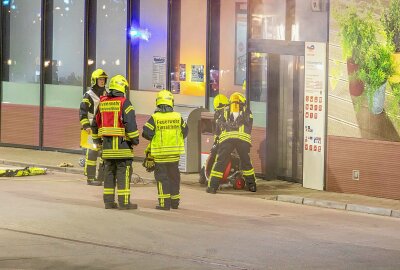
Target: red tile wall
61, 128
20, 124
377, 161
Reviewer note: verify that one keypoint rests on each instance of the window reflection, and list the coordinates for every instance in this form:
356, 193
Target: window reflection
268, 19
23, 63
228, 70
68, 28
111, 37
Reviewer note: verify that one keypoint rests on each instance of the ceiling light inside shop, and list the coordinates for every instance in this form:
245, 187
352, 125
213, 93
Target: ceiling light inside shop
117, 62
103, 62
104, 6
9, 62
57, 8
90, 62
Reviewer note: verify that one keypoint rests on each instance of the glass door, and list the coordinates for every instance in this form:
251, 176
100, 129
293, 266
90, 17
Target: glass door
277, 32
278, 81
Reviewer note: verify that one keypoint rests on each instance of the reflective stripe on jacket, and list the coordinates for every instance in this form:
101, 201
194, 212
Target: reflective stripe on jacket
168, 138
111, 121
239, 128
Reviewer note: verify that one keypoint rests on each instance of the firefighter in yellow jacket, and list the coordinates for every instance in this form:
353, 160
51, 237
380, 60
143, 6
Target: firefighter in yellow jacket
235, 133
87, 109
115, 127
166, 131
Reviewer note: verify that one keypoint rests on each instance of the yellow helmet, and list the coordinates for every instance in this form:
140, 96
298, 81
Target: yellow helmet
220, 101
119, 83
165, 97
237, 101
98, 73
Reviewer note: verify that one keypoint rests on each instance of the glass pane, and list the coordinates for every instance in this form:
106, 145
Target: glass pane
20, 88
111, 37
192, 45
311, 22
228, 73
153, 52
62, 97
268, 19
258, 88
68, 28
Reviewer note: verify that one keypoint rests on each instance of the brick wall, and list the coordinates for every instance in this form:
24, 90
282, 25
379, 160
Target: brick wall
377, 161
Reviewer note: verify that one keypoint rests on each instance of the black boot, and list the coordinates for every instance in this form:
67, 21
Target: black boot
211, 190
94, 183
110, 205
253, 187
128, 206
162, 208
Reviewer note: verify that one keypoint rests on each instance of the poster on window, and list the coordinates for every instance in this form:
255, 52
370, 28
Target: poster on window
182, 72
314, 115
159, 71
197, 73
240, 44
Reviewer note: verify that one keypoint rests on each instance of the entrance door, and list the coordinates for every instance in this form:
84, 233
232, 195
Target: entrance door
278, 79
277, 32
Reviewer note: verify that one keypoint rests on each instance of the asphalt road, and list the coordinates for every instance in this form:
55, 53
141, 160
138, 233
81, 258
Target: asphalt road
58, 222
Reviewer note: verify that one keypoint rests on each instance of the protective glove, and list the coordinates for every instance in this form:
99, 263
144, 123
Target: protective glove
149, 163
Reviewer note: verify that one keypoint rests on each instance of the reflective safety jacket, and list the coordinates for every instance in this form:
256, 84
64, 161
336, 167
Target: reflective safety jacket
166, 131
88, 106
236, 128
115, 127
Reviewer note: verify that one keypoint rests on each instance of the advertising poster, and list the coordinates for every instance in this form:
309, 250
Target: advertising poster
197, 73
182, 72
240, 45
159, 72
175, 87
368, 106
314, 115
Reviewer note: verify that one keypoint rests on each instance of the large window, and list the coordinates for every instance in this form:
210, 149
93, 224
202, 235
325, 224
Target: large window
63, 92
228, 48
68, 47
21, 72
268, 20
111, 37
153, 51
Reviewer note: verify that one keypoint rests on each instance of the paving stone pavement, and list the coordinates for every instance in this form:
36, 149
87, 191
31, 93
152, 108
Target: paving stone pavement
273, 190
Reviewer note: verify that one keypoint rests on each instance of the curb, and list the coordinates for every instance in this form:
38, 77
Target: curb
340, 206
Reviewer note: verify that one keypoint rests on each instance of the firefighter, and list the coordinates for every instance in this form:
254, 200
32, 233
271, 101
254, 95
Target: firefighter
236, 126
87, 110
166, 131
220, 103
115, 128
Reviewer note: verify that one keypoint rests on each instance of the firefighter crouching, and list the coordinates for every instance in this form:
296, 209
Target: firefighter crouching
87, 109
115, 128
166, 131
236, 125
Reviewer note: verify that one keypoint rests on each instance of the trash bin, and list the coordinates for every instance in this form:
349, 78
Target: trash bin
206, 135
190, 161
